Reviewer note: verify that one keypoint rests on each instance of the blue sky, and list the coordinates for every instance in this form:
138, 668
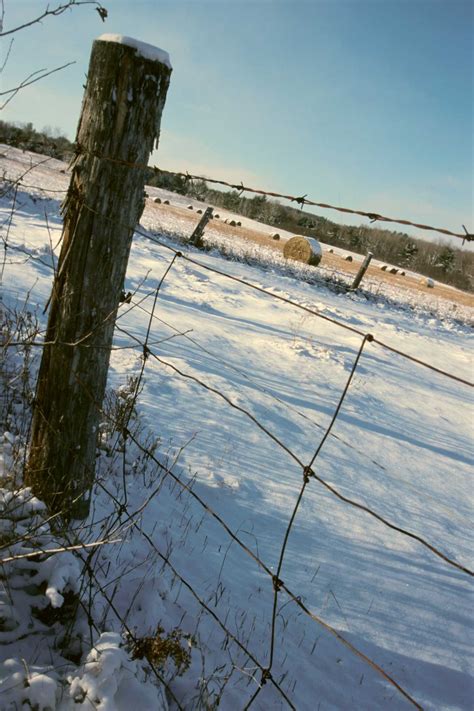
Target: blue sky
362, 103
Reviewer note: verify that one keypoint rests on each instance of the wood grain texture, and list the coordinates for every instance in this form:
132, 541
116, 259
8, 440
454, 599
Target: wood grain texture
120, 120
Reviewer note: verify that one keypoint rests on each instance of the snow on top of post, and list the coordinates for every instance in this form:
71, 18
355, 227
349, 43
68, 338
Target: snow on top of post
148, 51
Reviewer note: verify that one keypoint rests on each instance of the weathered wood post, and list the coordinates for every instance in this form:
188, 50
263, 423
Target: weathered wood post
362, 269
196, 237
123, 102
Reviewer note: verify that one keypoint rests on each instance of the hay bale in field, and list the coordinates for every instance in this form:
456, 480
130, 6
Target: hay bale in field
402, 273
199, 211
429, 283
232, 223
216, 216
384, 267
190, 207
348, 258
274, 235
394, 270
330, 250
303, 249
166, 202
157, 200
238, 223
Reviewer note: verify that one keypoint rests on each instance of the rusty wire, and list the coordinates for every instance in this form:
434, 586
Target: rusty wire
302, 200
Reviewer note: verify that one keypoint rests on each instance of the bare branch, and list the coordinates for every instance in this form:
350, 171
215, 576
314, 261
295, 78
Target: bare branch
57, 11
7, 54
25, 82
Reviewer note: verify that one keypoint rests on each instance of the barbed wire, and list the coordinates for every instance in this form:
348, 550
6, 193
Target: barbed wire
302, 200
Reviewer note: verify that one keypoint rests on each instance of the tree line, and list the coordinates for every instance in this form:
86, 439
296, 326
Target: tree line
440, 261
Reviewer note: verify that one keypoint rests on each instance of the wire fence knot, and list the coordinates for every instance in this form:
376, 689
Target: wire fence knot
307, 471
301, 201
468, 237
266, 675
277, 583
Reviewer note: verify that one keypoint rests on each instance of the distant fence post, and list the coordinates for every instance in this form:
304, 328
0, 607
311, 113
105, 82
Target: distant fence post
123, 102
362, 270
196, 237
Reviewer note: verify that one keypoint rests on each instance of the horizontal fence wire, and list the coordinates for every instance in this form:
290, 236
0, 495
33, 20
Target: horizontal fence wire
372, 215
302, 200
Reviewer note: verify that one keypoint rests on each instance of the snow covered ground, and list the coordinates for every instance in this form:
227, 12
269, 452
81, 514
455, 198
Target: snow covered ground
402, 445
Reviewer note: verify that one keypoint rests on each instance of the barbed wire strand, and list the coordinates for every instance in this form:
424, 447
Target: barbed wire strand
301, 200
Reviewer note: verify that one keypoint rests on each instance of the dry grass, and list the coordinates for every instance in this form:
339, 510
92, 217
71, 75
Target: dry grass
329, 260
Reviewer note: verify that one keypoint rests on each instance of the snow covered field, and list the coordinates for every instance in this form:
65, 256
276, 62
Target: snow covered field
402, 445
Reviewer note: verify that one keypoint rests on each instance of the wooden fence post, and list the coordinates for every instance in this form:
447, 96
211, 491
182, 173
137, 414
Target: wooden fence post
196, 237
363, 268
123, 102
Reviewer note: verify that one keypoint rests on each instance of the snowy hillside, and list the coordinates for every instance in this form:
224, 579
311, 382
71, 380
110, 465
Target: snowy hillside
237, 374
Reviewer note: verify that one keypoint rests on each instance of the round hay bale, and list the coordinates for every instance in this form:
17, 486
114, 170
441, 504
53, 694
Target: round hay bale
216, 216
166, 202
303, 249
330, 250
394, 270
402, 273
274, 235
238, 223
232, 223
429, 283
348, 258
157, 200
199, 212
190, 207
384, 267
